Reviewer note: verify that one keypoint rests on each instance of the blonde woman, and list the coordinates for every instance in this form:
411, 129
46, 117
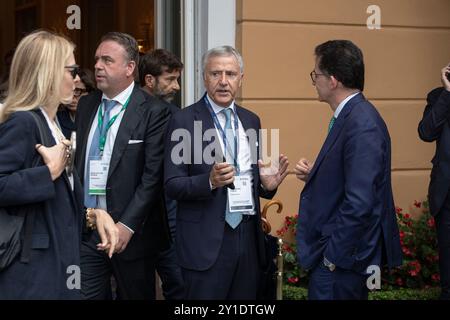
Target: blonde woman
43, 75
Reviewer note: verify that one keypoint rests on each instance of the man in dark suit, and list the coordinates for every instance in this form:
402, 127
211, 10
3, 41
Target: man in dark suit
347, 219
159, 71
435, 126
220, 242
120, 130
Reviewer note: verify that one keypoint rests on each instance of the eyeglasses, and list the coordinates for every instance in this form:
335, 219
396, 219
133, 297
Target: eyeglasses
313, 74
79, 91
74, 70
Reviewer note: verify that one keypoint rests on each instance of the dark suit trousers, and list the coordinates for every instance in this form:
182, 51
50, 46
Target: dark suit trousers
135, 279
170, 273
235, 274
443, 234
339, 284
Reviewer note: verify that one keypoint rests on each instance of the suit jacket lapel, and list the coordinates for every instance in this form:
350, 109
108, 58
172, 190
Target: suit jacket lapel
84, 128
246, 124
131, 118
335, 131
202, 114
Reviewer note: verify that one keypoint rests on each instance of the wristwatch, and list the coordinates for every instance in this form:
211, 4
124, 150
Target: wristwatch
328, 264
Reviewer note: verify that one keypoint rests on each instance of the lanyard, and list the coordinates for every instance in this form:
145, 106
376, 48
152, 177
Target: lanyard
224, 137
102, 140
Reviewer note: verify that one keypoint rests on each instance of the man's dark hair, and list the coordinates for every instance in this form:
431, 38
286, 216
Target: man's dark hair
127, 42
156, 62
343, 60
88, 79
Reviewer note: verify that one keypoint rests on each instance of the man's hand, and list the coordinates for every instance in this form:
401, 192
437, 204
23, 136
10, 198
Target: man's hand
107, 230
272, 177
303, 168
221, 175
124, 237
445, 72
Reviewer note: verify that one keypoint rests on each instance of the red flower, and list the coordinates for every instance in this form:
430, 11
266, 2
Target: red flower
402, 234
430, 222
293, 280
417, 204
406, 251
407, 216
413, 273
398, 210
399, 282
436, 277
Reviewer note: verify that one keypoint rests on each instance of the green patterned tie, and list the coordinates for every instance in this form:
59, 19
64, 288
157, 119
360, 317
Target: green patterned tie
331, 124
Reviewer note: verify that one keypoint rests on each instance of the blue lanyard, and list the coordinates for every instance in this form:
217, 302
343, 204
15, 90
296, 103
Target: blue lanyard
224, 137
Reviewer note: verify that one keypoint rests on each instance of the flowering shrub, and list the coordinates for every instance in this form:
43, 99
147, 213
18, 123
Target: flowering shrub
420, 267
293, 273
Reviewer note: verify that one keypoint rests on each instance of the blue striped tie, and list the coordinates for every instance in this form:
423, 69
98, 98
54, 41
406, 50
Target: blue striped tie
90, 201
232, 218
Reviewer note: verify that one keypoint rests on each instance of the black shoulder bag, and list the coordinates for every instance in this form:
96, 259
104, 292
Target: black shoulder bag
16, 228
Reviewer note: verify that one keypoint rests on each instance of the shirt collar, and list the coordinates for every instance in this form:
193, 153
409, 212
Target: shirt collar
217, 109
123, 96
343, 103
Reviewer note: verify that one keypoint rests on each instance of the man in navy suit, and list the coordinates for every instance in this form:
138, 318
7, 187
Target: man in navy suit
220, 242
435, 127
347, 221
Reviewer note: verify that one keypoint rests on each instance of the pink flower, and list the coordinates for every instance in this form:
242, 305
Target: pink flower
293, 280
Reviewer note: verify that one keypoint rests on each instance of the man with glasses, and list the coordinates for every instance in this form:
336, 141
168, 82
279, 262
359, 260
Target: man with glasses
67, 114
347, 216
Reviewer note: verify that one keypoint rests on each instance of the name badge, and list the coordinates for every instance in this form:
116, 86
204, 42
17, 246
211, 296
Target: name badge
98, 176
240, 199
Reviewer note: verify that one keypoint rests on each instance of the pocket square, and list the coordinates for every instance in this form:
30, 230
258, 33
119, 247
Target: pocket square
135, 141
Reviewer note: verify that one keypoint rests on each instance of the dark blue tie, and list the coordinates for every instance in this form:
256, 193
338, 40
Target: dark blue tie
90, 201
232, 218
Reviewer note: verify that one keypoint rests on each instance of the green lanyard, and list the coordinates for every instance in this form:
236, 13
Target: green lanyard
102, 140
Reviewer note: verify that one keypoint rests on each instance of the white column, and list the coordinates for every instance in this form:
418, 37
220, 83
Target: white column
221, 23
206, 24
188, 52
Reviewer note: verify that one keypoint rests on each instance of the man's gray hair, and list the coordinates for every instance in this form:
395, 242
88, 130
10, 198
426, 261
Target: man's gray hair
221, 52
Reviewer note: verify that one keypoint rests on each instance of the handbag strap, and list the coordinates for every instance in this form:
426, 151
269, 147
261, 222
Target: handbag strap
29, 218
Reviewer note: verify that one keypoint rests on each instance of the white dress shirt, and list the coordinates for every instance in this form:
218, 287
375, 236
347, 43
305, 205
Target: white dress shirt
57, 136
111, 135
244, 155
